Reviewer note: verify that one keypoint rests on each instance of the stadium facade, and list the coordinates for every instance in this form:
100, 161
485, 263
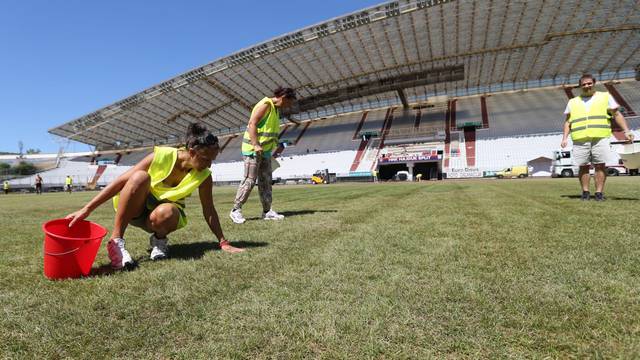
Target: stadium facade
430, 72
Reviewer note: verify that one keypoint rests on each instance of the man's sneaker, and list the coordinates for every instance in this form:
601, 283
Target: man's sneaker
600, 196
236, 216
585, 196
272, 215
159, 248
118, 255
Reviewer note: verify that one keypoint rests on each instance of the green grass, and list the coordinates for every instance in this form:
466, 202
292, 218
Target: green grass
454, 269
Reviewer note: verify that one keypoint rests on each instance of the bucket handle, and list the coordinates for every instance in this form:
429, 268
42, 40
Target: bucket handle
63, 253
67, 252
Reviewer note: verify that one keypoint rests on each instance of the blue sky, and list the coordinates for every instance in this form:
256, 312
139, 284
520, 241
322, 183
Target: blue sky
61, 59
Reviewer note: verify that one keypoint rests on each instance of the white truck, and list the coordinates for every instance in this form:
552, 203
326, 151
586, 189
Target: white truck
562, 166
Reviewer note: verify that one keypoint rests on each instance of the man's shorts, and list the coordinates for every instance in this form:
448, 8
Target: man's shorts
596, 151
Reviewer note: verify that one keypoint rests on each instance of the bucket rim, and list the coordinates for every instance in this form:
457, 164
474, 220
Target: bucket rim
44, 229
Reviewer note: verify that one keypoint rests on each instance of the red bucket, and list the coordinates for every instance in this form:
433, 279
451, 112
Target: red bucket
69, 252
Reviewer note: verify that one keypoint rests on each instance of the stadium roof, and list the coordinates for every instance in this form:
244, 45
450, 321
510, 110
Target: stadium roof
398, 52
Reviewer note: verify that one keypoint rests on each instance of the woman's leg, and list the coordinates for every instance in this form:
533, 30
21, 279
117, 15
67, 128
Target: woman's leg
163, 220
133, 197
244, 190
264, 183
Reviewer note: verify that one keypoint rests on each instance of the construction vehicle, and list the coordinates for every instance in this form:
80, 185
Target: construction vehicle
323, 177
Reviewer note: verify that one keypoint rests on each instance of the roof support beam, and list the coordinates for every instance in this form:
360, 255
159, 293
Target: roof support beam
393, 83
228, 93
403, 98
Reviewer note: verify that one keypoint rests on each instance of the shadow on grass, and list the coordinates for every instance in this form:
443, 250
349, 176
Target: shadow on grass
106, 270
606, 197
297, 213
189, 251
197, 250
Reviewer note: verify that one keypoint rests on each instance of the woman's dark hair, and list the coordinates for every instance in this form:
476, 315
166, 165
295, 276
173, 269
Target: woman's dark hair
198, 135
288, 93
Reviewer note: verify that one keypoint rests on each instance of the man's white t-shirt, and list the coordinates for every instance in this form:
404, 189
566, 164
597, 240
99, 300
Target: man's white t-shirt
588, 101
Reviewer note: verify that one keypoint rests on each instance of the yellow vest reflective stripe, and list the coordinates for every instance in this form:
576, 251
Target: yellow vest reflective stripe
268, 129
592, 124
164, 160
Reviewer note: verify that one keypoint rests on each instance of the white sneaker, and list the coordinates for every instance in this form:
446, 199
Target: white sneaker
236, 216
159, 248
272, 215
118, 255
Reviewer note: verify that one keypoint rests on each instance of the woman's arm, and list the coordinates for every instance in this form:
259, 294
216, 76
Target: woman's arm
252, 127
110, 191
211, 215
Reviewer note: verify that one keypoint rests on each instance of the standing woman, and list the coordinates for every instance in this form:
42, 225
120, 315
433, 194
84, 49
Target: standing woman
260, 139
152, 195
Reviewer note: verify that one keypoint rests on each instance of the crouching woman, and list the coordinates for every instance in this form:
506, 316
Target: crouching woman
151, 196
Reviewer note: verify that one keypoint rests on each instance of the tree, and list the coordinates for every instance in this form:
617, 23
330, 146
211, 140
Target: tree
33, 151
24, 168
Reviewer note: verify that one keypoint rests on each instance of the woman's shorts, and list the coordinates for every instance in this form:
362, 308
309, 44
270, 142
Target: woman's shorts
140, 221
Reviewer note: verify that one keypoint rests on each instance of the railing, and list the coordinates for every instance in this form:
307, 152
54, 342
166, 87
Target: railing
408, 132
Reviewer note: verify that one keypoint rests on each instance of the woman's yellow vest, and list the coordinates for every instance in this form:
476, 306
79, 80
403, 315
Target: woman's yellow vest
164, 159
592, 124
268, 129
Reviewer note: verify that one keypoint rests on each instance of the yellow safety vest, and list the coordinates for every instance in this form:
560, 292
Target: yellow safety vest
592, 124
164, 159
6, 185
68, 181
268, 129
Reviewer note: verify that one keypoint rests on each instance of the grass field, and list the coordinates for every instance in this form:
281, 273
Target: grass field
455, 269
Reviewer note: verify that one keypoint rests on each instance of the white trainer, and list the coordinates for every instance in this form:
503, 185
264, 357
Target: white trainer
118, 255
159, 248
272, 215
236, 216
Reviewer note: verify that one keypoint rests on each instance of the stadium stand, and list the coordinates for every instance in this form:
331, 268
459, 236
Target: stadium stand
630, 91
468, 113
231, 151
480, 78
333, 134
524, 112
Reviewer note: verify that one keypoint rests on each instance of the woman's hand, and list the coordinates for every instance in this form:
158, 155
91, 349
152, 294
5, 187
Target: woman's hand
78, 215
226, 247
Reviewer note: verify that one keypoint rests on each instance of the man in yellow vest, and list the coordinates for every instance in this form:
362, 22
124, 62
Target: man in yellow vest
588, 122
260, 139
5, 186
152, 196
68, 184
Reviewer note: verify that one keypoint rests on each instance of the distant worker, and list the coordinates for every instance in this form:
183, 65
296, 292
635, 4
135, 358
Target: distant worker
6, 186
151, 196
260, 139
588, 121
38, 184
419, 177
68, 184
374, 174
